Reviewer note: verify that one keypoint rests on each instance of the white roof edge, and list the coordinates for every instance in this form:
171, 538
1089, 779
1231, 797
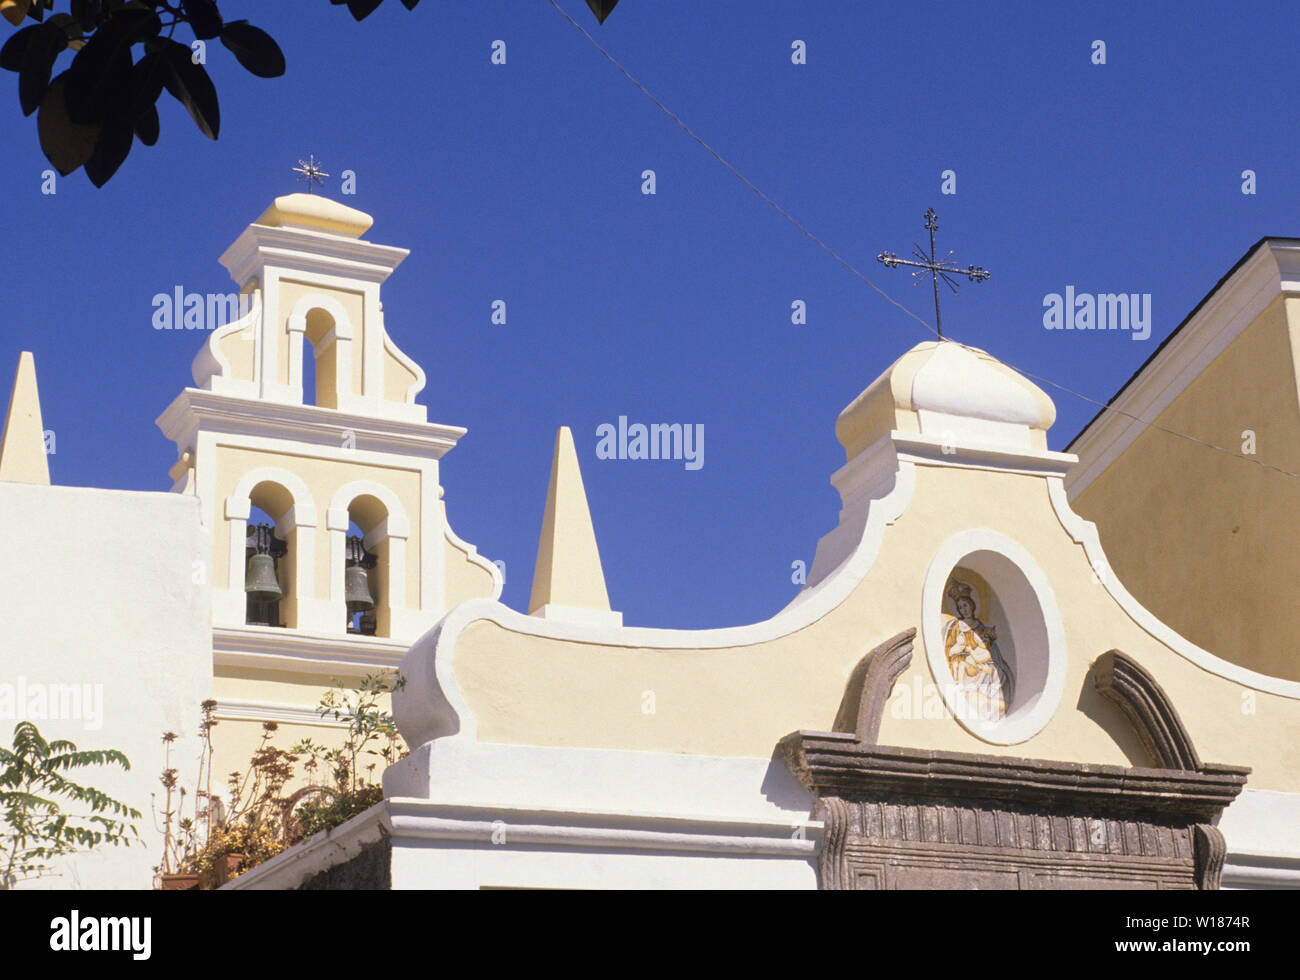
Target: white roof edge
1271, 268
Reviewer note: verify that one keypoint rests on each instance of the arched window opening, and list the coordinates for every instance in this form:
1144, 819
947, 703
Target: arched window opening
319, 360
310, 390
265, 578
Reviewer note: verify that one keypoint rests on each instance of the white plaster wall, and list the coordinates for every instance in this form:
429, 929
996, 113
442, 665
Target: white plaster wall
100, 588
1262, 831
459, 771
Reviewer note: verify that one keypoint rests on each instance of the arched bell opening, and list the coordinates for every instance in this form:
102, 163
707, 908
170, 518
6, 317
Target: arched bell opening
366, 568
265, 582
270, 558
370, 512
359, 581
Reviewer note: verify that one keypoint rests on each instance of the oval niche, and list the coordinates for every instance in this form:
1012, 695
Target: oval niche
993, 637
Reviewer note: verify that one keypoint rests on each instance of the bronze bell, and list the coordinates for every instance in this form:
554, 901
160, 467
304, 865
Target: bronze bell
260, 581
356, 579
356, 589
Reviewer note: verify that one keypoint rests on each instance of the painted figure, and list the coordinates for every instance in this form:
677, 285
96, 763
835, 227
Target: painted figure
971, 650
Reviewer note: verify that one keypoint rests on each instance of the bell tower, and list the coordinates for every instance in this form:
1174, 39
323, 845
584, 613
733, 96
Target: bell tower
330, 548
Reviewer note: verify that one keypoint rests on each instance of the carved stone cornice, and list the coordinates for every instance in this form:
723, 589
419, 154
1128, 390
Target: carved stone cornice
836, 763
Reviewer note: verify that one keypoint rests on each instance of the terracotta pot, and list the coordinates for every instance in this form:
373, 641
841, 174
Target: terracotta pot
178, 883
223, 869
228, 866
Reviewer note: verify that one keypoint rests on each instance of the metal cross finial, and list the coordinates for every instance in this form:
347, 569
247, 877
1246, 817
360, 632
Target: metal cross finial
935, 269
310, 171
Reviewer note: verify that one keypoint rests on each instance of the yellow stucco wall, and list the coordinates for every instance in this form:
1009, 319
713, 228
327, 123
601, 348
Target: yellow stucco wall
740, 701
1208, 542
234, 741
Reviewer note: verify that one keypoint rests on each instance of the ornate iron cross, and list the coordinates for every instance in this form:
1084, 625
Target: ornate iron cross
935, 269
311, 172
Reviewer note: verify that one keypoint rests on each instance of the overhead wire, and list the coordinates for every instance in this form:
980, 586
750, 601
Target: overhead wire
1104, 406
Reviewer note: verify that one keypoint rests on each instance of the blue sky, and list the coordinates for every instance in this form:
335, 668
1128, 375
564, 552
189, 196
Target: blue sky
522, 182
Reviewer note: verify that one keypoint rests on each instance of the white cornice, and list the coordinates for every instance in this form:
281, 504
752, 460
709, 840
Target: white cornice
304, 250
1272, 268
934, 451
235, 709
416, 819
872, 471
195, 409
269, 649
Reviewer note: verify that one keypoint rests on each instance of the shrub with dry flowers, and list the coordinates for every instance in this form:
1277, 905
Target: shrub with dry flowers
257, 819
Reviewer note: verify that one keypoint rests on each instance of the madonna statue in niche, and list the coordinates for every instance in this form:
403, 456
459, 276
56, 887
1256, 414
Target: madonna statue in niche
971, 650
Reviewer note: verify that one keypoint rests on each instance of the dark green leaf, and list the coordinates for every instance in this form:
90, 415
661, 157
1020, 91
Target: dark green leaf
254, 49
204, 18
38, 62
67, 145
98, 71
111, 148
87, 13
361, 9
83, 92
602, 8
147, 77
190, 85
11, 55
135, 23
147, 126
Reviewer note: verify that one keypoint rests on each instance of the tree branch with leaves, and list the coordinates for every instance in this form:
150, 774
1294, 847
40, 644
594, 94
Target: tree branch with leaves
124, 56
34, 788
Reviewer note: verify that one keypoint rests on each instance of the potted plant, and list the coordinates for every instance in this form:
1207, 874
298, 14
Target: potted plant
219, 841
253, 827
371, 732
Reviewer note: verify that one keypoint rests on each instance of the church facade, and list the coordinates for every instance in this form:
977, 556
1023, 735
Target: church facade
964, 694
